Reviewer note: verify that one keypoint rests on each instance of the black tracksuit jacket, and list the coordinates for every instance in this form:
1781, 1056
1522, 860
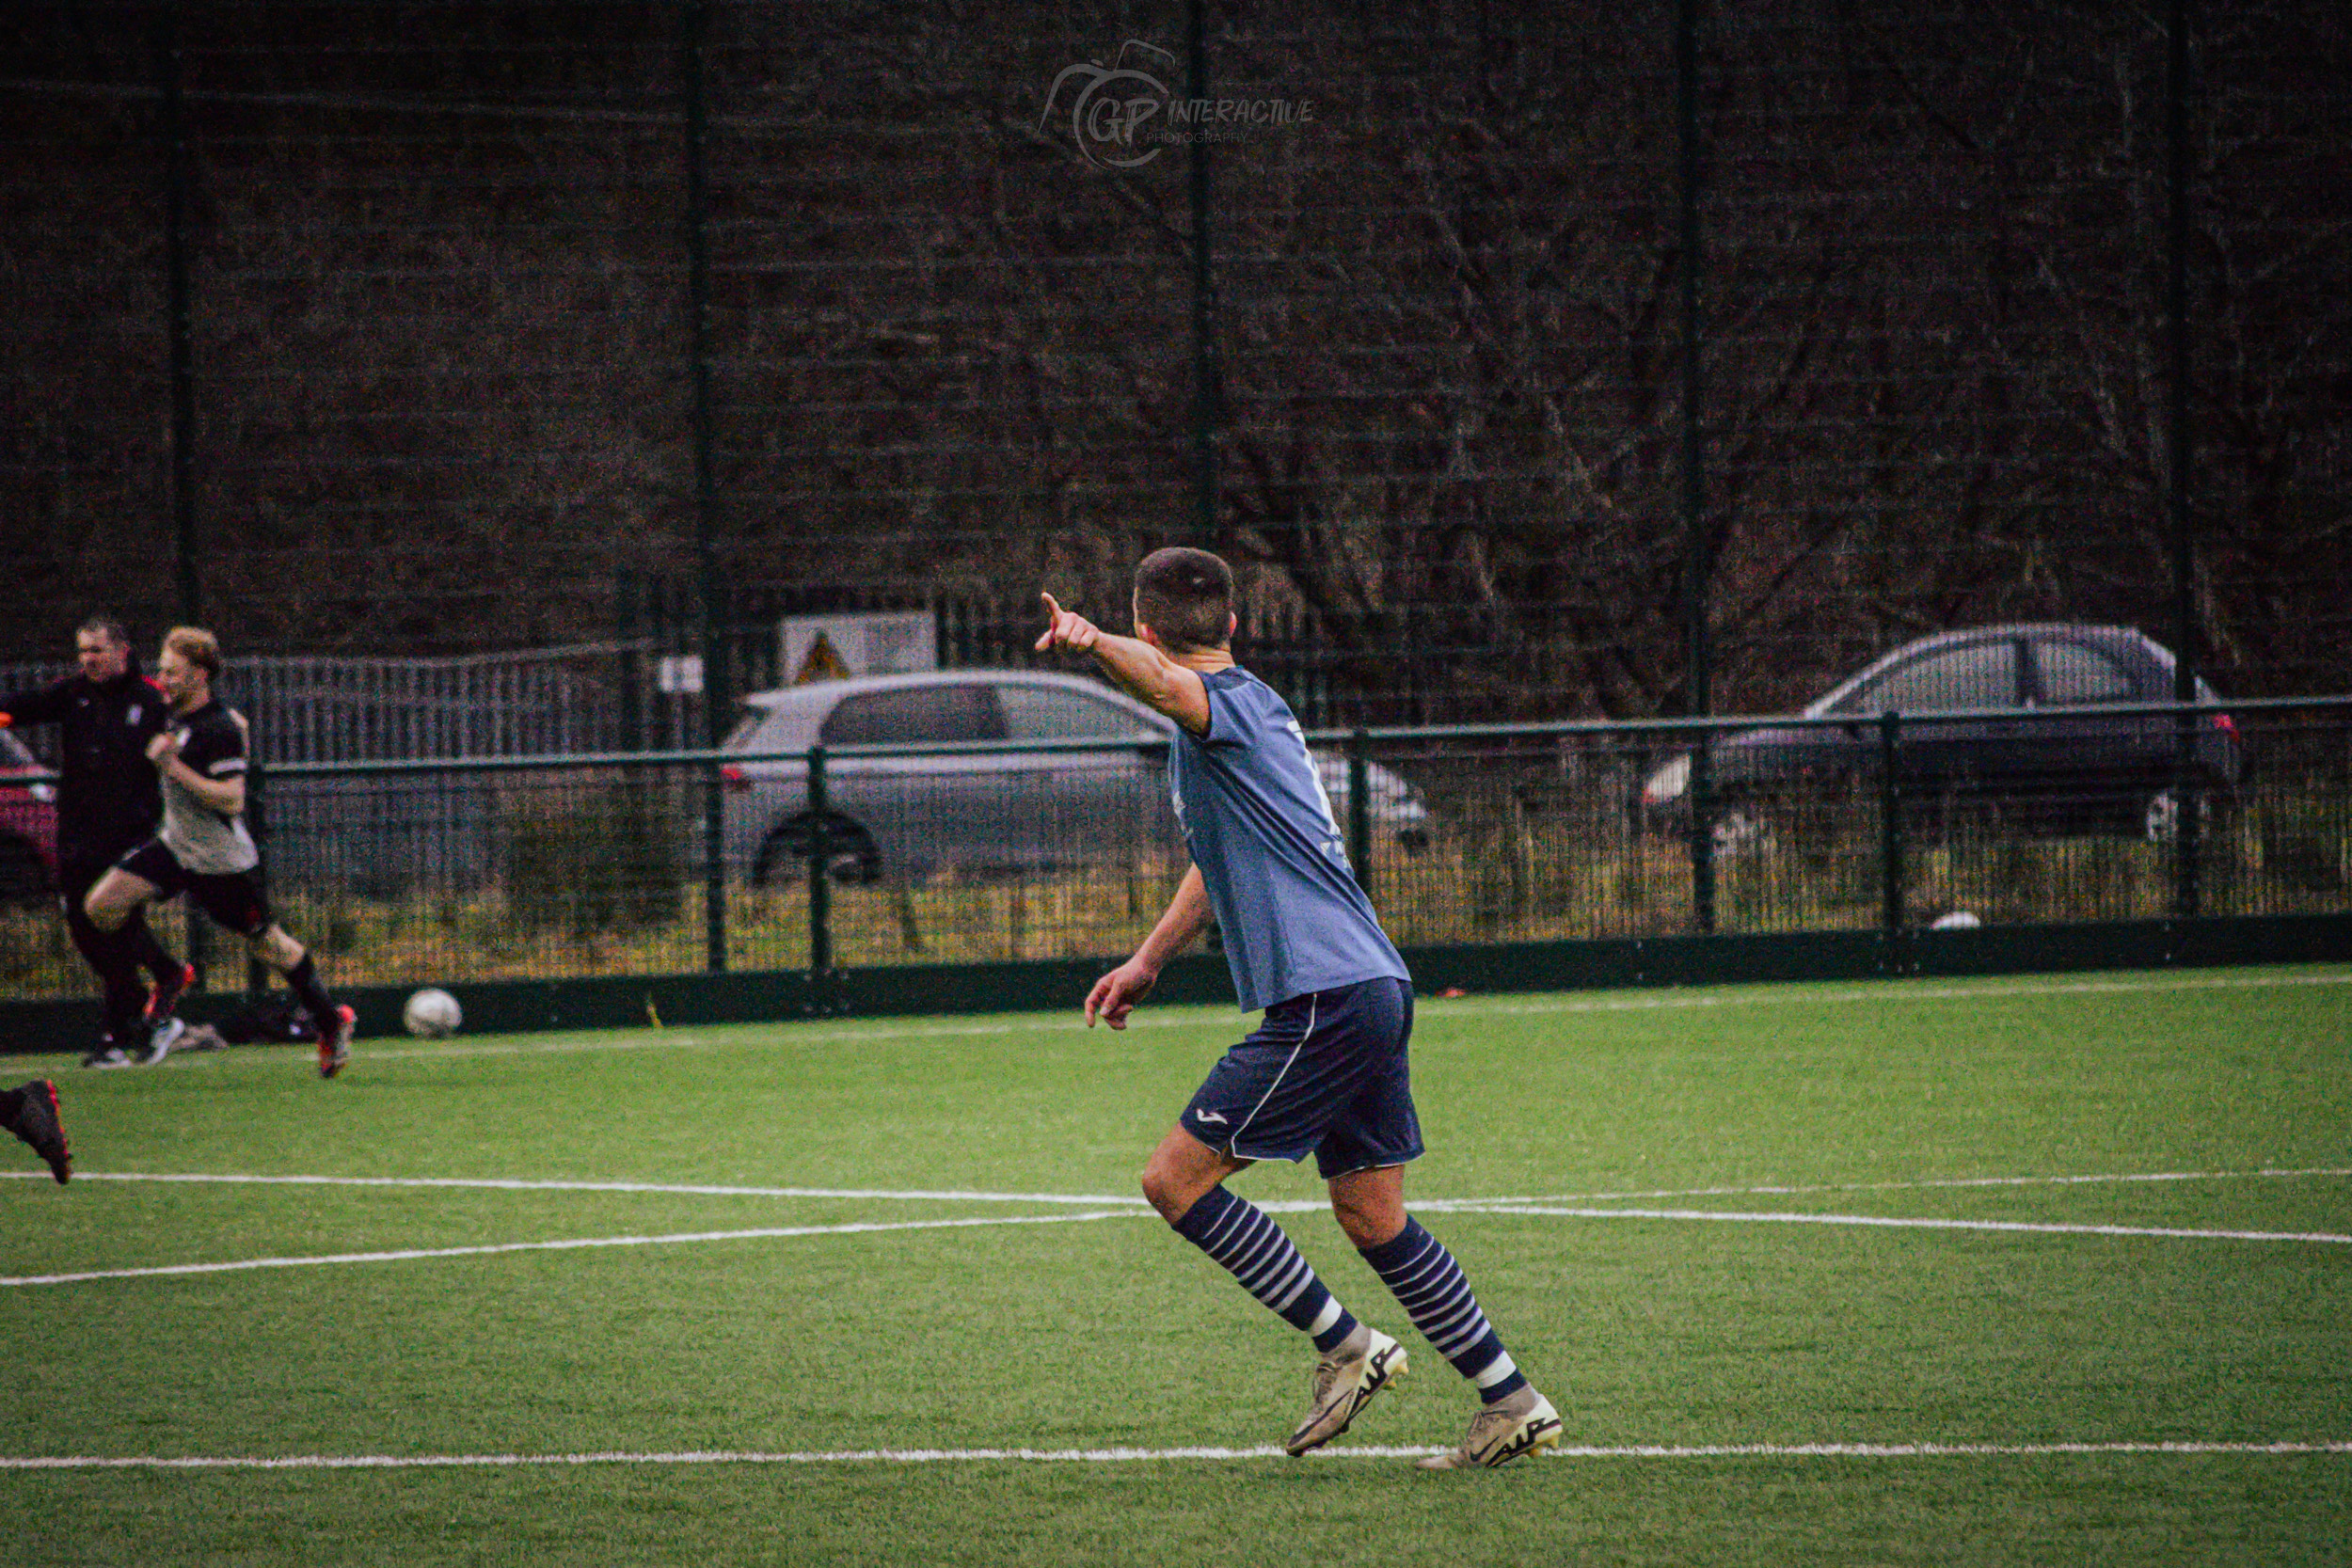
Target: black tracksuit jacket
107, 801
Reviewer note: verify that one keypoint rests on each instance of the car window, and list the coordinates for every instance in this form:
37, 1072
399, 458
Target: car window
2072, 674
770, 729
1058, 713
911, 713
1983, 675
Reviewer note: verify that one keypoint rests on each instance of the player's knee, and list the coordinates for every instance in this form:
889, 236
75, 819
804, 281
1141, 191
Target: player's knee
1172, 1190
103, 913
1368, 1222
1160, 1192
275, 948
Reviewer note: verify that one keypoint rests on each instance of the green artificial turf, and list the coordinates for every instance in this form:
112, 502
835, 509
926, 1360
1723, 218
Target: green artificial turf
1089, 1329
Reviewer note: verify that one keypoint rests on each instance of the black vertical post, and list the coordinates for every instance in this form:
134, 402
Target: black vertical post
1206, 394
1360, 806
711, 632
178, 329
631, 660
1697, 555
177, 322
820, 874
2187, 798
256, 824
1891, 827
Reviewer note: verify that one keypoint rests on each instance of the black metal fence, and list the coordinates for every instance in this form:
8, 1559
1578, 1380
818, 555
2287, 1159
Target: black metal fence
670, 862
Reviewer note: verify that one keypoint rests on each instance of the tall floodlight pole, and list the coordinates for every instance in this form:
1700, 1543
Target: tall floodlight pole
711, 630
177, 324
2178, 453
1205, 391
1697, 554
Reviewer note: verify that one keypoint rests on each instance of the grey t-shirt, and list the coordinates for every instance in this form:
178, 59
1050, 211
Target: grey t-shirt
1272, 857
211, 741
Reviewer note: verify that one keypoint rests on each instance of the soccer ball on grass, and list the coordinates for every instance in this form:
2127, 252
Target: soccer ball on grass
432, 1014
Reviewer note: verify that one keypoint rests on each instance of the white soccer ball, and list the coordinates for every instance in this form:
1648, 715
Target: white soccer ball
432, 1014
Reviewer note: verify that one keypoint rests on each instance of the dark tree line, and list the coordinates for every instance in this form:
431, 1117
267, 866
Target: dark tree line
439, 303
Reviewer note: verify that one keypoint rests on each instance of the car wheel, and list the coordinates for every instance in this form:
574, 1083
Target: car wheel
850, 853
1742, 828
23, 880
2160, 815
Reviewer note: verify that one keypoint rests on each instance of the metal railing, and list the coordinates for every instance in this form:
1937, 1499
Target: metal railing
627, 863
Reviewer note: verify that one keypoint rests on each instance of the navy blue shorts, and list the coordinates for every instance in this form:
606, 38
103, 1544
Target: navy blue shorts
1325, 1073
234, 899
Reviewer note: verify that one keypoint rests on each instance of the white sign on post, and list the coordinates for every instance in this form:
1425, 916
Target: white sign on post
832, 647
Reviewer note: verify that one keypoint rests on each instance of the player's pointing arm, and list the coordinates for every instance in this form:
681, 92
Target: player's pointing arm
1138, 664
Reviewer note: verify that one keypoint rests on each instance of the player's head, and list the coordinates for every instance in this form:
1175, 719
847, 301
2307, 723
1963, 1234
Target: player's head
1184, 600
190, 659
103, 647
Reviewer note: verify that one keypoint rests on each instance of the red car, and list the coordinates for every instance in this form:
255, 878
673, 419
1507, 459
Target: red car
28, 825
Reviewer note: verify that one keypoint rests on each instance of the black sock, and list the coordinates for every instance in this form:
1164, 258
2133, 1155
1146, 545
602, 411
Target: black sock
11, 1101
305, 981
1252, 1249
1430, 1286
148, 953
126, 993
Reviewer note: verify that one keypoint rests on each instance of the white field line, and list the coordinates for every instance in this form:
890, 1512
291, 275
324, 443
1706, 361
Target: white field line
1897, 1224
1205, 1017
406, 1254
1930, 1184
1130, 1456
525, 1185
1126, 1210
1886, 991
1098, 1200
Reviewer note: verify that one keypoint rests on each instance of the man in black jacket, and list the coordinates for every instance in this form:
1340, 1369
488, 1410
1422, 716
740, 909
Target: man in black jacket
108, 806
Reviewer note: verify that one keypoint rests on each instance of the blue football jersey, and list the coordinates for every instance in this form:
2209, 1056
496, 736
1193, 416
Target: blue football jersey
1259, 828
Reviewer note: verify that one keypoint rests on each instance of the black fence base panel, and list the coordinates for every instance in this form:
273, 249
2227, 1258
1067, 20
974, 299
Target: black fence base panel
636, 1001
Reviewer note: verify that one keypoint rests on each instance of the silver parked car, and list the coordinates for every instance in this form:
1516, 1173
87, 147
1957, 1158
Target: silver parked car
998, 809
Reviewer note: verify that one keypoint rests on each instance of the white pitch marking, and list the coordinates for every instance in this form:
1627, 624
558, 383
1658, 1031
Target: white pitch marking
1730, 1217
1118, 1456
1895, 991
407, 1253
798, 1034
974, 1196
521, 1185
1925, 1185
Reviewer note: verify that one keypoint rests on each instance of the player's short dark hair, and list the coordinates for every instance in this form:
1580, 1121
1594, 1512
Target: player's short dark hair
107, 624
1185, 597
197, 646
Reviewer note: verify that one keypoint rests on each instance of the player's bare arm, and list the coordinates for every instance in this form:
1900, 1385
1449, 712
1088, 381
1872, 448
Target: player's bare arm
1115, 994
1145, 672
226, 796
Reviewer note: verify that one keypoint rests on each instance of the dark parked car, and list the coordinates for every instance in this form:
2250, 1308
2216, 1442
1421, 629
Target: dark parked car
1005, 809
29, 827
2074, 773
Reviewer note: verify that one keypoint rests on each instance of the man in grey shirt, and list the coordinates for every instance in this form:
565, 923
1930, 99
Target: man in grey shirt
1325, 1073
203, 849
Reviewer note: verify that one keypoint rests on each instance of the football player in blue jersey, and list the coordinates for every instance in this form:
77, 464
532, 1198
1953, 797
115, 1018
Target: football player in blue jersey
1325, 1073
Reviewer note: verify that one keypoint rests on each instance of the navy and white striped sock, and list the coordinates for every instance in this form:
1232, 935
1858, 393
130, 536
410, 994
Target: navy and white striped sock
1436, 1296
1236, 1233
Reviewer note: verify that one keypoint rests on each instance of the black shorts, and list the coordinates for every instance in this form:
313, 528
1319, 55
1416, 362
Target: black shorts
234, 899
1327, 1075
